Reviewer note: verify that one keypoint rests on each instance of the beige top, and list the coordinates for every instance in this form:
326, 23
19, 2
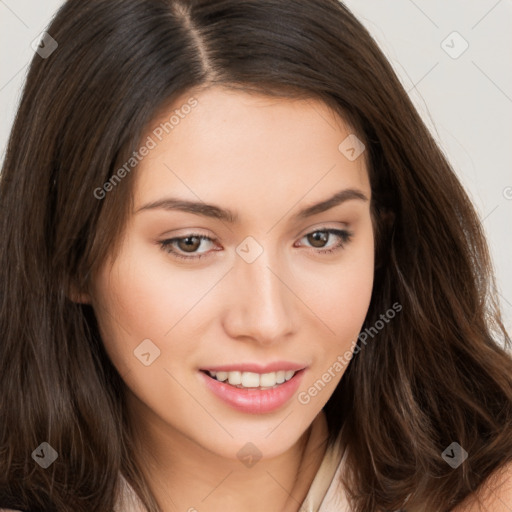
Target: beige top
326, 493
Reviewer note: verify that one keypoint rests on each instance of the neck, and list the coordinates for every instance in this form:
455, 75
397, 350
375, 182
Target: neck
184, 476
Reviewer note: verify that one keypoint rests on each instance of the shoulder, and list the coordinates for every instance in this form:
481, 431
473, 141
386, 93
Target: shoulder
494, 494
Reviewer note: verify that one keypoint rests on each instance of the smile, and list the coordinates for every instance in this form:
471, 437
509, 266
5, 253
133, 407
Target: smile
253, 392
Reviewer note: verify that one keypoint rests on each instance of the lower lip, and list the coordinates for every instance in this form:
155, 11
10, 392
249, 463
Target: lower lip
254, 400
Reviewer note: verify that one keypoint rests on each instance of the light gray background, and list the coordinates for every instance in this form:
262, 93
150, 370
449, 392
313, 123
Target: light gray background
466, 101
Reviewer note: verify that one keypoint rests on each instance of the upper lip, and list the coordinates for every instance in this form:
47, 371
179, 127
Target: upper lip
256, 367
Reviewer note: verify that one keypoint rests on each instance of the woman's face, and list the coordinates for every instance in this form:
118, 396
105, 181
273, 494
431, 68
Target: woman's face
259, 295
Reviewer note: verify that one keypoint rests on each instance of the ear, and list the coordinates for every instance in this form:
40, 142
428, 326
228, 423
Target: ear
76, 294
79, 298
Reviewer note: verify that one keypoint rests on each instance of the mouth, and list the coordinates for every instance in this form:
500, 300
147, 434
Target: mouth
253, 392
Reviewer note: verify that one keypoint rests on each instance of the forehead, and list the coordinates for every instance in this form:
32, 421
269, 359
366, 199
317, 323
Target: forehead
248, 150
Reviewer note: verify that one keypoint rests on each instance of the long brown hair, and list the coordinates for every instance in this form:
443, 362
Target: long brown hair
437, 374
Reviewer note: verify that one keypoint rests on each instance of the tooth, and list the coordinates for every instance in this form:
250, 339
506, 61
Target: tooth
235, 378
222, 376
267, 380
288, 375
250, 380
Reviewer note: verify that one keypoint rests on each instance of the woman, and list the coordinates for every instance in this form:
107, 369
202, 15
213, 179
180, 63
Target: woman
238, 274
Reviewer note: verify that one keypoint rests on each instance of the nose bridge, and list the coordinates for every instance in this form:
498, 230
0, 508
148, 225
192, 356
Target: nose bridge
262, 303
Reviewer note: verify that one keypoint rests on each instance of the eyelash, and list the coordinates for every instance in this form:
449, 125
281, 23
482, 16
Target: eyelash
166, 245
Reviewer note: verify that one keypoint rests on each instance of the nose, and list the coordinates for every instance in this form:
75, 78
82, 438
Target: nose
262, 302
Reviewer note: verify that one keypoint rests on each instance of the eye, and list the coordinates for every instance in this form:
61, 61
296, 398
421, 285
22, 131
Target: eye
321, 236
180, 246
187, 244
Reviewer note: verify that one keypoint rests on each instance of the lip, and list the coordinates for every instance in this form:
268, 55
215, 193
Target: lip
253, 400
256, 368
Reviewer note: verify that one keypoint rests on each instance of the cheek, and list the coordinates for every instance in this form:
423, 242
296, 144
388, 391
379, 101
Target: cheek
146, 295
143, 297
340, 294
342, 307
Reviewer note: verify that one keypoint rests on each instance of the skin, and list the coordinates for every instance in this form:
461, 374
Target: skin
265, 159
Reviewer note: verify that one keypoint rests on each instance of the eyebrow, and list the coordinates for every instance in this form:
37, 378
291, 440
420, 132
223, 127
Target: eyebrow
211, 210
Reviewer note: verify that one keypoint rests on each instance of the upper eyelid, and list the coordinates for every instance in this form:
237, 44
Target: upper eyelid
322, 227
329, 229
